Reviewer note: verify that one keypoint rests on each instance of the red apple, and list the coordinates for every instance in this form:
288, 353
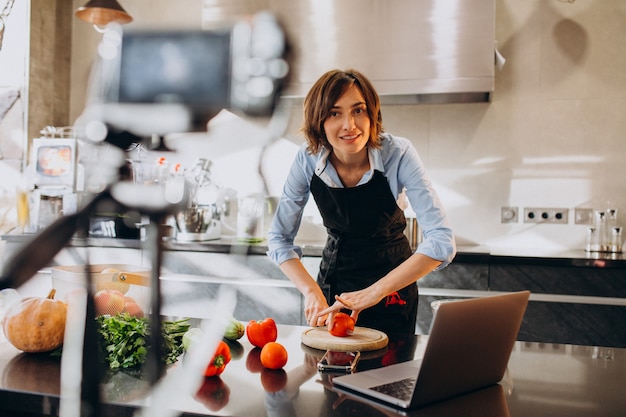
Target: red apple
109, 302
107, 284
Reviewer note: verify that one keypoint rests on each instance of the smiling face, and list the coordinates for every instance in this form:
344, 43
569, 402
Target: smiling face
326, 94
347, 126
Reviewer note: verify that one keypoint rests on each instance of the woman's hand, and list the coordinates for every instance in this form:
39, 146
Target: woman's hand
355, 301
314, 303
314, 299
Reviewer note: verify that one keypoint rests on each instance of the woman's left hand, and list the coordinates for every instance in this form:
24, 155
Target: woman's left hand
340, 303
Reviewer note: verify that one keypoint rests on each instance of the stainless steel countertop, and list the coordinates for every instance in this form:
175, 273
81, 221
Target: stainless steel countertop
543, 380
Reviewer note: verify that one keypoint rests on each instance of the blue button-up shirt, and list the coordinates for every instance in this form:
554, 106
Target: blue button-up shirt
399, 161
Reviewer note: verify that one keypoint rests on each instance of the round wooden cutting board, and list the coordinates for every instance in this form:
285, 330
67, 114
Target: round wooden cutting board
362, 339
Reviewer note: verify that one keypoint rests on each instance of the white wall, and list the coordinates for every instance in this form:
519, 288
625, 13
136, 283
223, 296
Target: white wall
553, 136
13, 58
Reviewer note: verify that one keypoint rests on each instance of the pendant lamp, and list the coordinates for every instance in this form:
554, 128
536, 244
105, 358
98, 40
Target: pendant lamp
102, 12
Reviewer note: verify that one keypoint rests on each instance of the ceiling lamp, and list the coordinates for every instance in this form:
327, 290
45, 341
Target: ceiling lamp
102, 12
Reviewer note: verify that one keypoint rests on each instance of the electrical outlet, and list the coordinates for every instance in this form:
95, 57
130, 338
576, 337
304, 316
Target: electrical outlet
583, 216
560, 216
532, 215
546, 215
508, 215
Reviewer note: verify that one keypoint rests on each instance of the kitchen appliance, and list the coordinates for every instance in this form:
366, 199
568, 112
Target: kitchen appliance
54, 159
198, 223
250, 218
413, 51
201, 220
52, 176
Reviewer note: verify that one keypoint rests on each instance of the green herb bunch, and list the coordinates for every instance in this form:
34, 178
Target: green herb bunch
124, 340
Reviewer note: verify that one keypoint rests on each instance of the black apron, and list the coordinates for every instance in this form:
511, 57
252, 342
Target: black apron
365, 241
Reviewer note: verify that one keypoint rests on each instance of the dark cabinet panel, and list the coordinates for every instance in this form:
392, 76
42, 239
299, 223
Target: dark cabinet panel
585, 320
578, 324
569, 304
590, 282
456, 277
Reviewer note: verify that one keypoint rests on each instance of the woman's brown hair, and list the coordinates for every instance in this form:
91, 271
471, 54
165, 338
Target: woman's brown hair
322, 97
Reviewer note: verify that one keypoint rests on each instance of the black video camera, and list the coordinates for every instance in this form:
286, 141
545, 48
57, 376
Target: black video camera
159, 82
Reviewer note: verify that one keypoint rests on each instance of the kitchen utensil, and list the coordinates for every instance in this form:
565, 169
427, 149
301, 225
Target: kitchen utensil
365, 355
198, 223
193, 220
361, 339
250, 219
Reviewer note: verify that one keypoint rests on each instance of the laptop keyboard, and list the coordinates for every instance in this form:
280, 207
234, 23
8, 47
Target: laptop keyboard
402, 389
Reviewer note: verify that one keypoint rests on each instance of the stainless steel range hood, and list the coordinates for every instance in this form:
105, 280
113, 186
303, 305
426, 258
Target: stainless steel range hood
414, 51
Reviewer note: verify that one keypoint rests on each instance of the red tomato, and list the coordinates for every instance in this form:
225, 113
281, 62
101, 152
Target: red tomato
219, 361
262, 332
274, 355
253, 361
343, 325
273, 380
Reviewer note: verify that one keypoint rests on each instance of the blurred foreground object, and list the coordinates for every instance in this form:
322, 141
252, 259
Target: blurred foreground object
160, 82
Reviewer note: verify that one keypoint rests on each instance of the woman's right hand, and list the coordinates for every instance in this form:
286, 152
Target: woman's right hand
314, 300
314, 303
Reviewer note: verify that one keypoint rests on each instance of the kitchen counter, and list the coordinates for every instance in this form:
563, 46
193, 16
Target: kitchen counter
542, 380
577, 297
465, 253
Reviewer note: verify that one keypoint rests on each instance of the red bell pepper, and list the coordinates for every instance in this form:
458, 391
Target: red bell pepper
219, 361
262, 332
214, 394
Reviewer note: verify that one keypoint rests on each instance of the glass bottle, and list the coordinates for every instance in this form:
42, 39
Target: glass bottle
593, 244
202, 191
611, 224
601, 230
616, 239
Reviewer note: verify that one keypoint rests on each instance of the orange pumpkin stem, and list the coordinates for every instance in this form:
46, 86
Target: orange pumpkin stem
51, 294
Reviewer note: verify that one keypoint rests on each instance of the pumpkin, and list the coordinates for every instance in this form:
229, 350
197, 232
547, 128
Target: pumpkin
36, 324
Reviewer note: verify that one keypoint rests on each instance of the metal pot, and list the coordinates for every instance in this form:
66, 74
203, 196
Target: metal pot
195, 219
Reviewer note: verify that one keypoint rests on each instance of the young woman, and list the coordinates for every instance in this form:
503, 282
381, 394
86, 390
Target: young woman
356, 173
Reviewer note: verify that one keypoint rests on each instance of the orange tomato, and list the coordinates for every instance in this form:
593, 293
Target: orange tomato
343, 325
274, 355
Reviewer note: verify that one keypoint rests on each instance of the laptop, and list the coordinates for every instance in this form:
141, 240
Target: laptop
485, 402
468, 348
